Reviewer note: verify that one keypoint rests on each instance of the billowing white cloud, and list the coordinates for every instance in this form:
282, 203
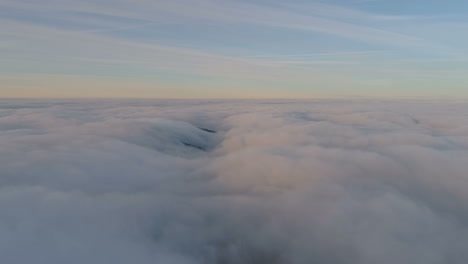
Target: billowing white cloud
147, 181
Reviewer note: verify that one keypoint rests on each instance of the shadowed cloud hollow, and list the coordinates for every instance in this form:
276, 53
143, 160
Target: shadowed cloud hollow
233, 182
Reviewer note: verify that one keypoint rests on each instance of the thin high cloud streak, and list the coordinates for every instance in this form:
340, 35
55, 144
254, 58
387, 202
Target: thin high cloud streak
116, 52
144, 181
319, 17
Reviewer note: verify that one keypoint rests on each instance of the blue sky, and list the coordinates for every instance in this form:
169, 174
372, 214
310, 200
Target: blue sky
233, 48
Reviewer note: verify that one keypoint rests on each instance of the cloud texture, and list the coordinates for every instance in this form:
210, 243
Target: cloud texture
325, 181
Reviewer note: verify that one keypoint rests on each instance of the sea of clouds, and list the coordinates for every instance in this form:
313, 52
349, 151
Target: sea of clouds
280, 182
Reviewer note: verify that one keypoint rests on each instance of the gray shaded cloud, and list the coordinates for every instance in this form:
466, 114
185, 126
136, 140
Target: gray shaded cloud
324, 181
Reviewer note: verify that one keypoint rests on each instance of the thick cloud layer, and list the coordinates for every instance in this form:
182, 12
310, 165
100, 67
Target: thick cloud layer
325, 181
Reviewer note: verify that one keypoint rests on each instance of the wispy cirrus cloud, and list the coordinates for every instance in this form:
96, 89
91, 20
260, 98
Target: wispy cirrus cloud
316, 16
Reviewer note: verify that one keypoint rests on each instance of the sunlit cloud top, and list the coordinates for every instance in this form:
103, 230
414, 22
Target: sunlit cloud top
227, 48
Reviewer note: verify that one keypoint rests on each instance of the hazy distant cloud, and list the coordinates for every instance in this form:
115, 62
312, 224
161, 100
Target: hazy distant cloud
144, 181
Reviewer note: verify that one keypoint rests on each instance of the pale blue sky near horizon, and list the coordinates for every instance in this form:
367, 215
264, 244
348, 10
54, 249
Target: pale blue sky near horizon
233, 48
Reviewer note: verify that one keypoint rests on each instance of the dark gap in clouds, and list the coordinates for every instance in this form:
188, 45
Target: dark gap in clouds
194, 146
208, 130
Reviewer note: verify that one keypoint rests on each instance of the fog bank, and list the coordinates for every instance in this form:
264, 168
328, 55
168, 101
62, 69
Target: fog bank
233, 182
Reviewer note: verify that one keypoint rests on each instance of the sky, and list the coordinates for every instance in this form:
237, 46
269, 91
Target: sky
233, 48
